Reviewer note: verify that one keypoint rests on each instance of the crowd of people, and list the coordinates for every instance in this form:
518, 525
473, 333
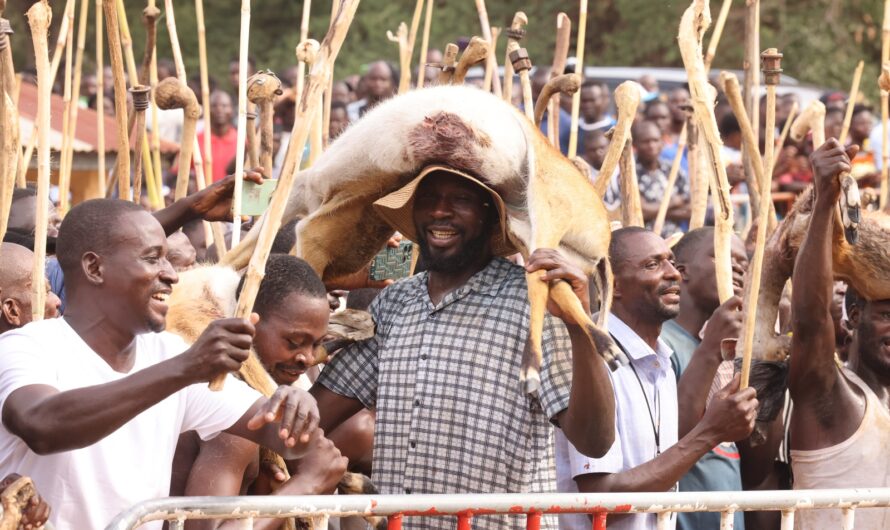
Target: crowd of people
103, 408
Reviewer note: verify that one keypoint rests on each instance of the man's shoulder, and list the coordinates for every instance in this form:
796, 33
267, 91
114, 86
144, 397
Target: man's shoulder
35, 332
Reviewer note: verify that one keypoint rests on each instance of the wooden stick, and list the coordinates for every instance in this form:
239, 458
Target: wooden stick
304, 35
522, 64
39, 18
699, 180
148, 76
327, 95
475, 52
563, 84
658, 226
695, 21
752, 92
631, 209
100, 103
140, 104
54, 69
66, 115
489, 66
401, 37
307, 108
579, 67
10, 134
243, 43
560, 57
780, 143
627, 99
491, 61
449, 59
122, 169
425, 42
514, 35
717, 33
811, 119
412, 33
262, 88
127, 43
851, 102
253, 153
771, 65
884, 85
173, 94
75, 96
8, 159
150, 16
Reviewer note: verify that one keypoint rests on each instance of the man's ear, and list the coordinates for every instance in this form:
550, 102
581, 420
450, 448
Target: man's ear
853, 317
11, 312
93, 268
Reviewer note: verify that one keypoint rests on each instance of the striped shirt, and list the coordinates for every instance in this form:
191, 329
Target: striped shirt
451, 414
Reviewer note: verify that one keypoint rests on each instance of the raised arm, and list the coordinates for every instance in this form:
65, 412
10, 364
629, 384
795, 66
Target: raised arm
821, 397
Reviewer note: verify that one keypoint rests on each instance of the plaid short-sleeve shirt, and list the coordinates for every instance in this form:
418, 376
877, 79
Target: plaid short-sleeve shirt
451, 414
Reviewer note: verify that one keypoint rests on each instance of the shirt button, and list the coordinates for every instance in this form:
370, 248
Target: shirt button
416, 402
412, 445
423, 356
408, 491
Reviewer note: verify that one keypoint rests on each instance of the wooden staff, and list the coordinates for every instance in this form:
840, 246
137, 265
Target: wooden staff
475, 52
253, 155
54, 69
205, 86
68, 156
39, 18
515, 33
579, 68
491, 61
262, 88
401, 37
272, 219
884, 85
304, 35
140, 105
100, 103
718, 32
66, 115
122, 168
631, 209
560, 56
627, 99
153, 178
658, 226
771, 65
7, 170
695, 21
563, 84
412, 34
449, 59
242, 121
150, 16
10, 133
170, 94
327, 95
851, 102
127, 43
699, 181
307, 52
522, 64
730, 84
490, 68
5, 154
424, 43
780, 143
811, 119
752, 90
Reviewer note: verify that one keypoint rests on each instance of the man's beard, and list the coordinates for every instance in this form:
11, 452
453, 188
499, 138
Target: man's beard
456, 263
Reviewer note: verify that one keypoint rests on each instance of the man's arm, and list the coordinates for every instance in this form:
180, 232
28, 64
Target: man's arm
49, 421
695, 383
729, 417
333, 408
213, 203
589, 420
821, 397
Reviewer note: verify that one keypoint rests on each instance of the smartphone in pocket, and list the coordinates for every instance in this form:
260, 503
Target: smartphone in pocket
392, 263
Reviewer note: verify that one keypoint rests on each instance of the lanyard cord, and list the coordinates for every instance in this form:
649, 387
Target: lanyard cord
656, 426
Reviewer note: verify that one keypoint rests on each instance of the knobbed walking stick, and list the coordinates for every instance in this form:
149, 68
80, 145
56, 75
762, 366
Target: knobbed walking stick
140, 105
579, 68
515, 33
39, 18
424, 43
173, 94
253, 156
522, 64
449, 59
851, 102
627, 99
262, 88
475, 52
66, 115
271, 222
562, 84
100, 103
772, 69
243, 42
490, 61
631, 209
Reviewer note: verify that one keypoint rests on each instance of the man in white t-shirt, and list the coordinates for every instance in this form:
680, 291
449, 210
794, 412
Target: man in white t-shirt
93, 403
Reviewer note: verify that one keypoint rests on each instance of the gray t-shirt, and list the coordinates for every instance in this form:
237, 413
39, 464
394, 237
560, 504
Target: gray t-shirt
720, 468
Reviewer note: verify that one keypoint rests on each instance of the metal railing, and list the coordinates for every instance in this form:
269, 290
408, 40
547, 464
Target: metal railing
531, 506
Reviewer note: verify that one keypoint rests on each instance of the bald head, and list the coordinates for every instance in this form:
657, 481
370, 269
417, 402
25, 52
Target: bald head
16, 262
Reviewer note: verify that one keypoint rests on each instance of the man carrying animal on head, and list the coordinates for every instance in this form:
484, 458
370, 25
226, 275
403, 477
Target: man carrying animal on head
646, 454
441, 369
98, 397
840, 428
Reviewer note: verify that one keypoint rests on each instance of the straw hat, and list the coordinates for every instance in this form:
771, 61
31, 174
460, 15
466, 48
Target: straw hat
397, 209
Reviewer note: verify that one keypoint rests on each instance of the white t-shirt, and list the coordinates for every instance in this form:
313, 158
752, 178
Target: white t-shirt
86, 488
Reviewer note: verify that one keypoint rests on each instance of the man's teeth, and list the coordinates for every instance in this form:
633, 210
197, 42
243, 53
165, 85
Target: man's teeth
439, 234
160, 297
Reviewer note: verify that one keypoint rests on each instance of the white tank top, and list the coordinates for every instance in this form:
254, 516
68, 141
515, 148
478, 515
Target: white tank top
861, 461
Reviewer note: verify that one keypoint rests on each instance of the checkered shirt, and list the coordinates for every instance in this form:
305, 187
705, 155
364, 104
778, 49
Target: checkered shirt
451, 414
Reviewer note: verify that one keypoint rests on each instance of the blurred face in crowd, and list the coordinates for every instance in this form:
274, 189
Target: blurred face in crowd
340, 93
234, 70
834, 124
649, 83
678, 99
431, 73
108, 78
699, 279
220, 110
871, 324
339, 121
378, 81
23, 216
89, 86
647, 142
861, 126
180, 252
594, 102
287, 335
595, 146
659, 113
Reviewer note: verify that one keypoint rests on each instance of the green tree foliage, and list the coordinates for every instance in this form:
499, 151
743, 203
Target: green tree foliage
822, 39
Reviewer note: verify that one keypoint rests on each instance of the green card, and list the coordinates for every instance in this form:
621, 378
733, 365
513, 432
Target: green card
255, 198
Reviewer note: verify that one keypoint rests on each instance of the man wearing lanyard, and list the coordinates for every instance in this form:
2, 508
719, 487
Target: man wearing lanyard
646, 455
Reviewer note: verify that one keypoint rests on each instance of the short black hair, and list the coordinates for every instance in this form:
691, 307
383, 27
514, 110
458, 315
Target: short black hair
338, 105
729, 125
689, 243
285, 274
86, 228
286, 237
618, 245
21, 193
859, 108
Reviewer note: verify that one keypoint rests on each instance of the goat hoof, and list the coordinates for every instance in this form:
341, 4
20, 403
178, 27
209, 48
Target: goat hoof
531, 383
853, 213
851, 234
615, 357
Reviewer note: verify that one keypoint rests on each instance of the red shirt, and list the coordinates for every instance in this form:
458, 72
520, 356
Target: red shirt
223, 148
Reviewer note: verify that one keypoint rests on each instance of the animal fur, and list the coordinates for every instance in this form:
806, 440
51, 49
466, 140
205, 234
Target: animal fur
864, 266
550, 203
